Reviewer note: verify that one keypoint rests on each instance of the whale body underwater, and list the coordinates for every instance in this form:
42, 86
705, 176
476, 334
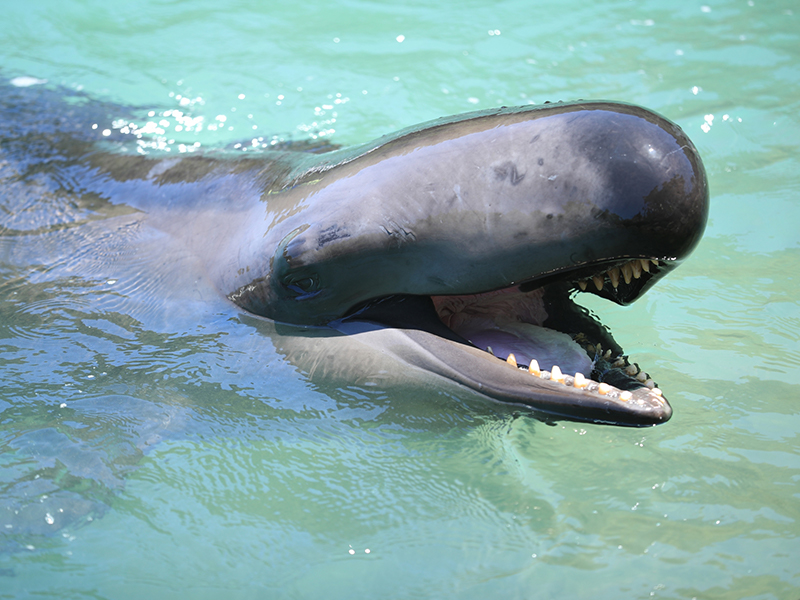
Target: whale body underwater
446, 255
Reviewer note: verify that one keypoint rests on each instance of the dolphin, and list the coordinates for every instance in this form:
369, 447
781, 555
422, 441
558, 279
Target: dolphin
448, 254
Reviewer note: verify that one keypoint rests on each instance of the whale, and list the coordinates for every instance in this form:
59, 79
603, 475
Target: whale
448, 255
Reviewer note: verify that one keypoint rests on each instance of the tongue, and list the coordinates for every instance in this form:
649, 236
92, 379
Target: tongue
527, 342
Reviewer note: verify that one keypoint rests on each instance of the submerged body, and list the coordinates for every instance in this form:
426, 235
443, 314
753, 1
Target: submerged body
446, 254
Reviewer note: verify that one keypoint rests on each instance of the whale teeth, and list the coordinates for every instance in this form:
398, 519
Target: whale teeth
613, 275
629, 271
580, 381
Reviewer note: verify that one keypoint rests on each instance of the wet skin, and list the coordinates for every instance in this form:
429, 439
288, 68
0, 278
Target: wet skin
446, 254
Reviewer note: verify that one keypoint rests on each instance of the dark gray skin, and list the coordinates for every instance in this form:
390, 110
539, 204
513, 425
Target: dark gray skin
362, 244
473, 204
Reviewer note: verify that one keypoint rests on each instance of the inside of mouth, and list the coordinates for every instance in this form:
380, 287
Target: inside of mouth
510, 324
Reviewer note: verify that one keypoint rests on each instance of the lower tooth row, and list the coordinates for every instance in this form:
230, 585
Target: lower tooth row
631, 369
581, 382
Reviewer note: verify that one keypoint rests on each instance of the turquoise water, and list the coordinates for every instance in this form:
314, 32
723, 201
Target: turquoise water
191, 459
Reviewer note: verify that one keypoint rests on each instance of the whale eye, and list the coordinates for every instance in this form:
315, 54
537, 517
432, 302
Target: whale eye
303, 286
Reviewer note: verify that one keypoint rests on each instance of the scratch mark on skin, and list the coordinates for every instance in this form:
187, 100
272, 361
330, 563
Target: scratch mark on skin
509, 171
457, 192
680, 149
398, 233
332, 233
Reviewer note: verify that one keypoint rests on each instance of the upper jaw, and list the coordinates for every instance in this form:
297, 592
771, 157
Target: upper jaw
626, 280
621, 280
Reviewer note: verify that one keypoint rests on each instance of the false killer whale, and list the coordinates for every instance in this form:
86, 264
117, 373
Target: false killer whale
447, 254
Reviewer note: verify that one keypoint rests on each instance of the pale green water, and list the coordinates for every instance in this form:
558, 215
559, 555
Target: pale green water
254, 484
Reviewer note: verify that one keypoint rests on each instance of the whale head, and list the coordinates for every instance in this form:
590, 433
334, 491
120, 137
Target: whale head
481, 229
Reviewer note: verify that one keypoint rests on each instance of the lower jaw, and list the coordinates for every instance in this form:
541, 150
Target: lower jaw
527, 342
493, 323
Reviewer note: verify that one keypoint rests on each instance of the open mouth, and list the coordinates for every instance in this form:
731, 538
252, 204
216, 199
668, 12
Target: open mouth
539, 347
541, 330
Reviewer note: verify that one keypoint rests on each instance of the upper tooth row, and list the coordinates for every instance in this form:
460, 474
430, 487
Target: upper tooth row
579, 380
630, 270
